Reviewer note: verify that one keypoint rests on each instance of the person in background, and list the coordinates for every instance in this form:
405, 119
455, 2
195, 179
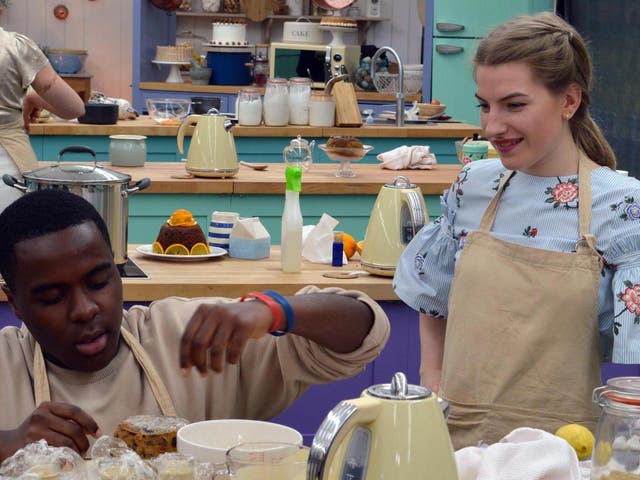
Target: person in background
23, 64
533, 269
79, 365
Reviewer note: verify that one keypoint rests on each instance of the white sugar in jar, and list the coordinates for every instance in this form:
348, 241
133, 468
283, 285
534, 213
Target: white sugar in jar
299, 93
276, 103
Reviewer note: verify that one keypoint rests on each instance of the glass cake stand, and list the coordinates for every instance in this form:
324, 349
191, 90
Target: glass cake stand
345, 156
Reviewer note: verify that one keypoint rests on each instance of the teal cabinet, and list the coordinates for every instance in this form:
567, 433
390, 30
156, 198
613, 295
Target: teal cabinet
450, 42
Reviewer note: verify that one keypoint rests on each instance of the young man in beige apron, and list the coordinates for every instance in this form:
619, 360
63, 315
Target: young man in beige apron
512, 332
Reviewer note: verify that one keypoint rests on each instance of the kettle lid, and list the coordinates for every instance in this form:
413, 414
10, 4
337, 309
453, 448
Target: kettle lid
399, 389
400, 182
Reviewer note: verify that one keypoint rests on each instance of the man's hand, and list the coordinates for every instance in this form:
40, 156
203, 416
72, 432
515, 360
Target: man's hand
60, 424
218, 331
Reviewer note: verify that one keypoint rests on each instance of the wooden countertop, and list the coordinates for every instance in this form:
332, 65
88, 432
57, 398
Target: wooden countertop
143, 125
234, 89
232, 277
319, 179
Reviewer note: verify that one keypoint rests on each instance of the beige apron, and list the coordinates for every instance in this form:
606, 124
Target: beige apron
522, 344
16, 143
41, 384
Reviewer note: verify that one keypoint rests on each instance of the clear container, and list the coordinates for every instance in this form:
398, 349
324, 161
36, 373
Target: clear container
275, 109
249, 106
616, 453
299, 93
322, 110
260, 70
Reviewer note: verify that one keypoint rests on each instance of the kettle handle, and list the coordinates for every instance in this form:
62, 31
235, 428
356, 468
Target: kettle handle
417, 210
339, 422
190, 120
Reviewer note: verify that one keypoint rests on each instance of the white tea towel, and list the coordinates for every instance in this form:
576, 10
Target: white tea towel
317, 240
414, 157
524, 454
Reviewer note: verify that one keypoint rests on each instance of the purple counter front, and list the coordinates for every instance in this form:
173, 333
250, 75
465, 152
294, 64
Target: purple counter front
402, 354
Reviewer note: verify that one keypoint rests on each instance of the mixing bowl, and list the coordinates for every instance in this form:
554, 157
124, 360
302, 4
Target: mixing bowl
168, 111
64, 60
209, 440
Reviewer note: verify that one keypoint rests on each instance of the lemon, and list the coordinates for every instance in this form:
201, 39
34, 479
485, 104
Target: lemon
176, 249
200, 249
602, 454
579, 437
360, 246
156, 247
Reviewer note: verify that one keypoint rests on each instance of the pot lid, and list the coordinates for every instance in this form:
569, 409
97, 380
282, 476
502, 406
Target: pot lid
62, 173
399, 389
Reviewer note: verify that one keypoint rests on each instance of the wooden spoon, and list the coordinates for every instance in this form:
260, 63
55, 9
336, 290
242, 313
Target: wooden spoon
255, 166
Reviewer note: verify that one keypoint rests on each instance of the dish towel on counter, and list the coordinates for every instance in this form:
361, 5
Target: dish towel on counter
414, 157
524, 454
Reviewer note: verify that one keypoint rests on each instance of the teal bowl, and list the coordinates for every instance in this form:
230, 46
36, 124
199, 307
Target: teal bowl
66, 61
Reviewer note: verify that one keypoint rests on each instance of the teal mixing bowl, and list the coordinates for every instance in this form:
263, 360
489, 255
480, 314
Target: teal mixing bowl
65, 61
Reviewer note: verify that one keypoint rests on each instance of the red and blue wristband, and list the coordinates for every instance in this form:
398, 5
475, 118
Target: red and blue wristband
288, 312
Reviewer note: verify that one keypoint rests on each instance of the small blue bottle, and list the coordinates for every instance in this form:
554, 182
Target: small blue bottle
338, 249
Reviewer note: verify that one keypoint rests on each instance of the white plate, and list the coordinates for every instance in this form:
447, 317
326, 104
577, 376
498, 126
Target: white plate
147, 252
392, 116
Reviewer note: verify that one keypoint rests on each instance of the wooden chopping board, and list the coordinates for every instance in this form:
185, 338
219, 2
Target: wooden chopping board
256, 10
347, 110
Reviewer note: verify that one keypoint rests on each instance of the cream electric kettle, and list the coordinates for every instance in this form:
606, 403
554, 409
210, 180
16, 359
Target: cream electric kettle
212, 152
393, 431
397, 215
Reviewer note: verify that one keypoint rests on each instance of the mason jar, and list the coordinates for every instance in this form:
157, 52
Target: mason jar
249, 106
617, 438
299, 93
275, 108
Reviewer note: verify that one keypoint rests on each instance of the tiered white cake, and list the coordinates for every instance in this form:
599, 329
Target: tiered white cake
229, 32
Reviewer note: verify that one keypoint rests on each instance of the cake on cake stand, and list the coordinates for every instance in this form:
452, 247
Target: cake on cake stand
174, 75
337, 33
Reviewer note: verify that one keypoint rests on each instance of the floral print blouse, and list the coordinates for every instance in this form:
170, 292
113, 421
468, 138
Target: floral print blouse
539, 212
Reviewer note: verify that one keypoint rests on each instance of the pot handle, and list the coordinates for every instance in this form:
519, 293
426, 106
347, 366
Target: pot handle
14, 182
139, 185
78, 149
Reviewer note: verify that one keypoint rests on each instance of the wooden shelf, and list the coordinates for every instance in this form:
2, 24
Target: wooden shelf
364, 23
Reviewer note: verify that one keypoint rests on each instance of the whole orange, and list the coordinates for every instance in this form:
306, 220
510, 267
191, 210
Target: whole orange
349, 245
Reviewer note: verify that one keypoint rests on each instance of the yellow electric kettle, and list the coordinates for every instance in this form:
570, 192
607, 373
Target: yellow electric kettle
393, 431
212, 152
397, 215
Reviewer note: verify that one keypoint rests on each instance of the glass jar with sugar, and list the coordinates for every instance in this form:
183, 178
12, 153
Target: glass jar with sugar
299, 93
276, 103
249, 107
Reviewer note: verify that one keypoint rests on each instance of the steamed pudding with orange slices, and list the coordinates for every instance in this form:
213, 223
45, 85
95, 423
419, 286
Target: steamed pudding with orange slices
181, 235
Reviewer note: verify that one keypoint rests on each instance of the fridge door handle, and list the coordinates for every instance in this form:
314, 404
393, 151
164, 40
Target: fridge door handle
449, 49
449, 27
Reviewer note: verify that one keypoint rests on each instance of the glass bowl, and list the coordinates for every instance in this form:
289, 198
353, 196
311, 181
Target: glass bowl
168, 111
345, 155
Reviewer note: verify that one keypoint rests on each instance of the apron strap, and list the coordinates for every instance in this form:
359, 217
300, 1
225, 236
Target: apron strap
160, 392
16, 142
490, 213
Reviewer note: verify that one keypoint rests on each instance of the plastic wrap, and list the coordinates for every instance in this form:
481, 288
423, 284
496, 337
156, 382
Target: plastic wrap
38, 460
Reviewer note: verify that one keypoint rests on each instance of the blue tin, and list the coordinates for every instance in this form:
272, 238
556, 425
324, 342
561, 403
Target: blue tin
230, 66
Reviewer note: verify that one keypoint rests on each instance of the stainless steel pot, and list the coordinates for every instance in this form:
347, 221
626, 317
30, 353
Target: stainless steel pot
107, 190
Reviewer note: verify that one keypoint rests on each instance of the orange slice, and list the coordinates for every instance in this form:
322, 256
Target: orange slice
200, 249
349, 245
176, 249
156, 247
182, 218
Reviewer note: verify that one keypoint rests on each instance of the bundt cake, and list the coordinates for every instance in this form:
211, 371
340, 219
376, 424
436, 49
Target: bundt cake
181, 230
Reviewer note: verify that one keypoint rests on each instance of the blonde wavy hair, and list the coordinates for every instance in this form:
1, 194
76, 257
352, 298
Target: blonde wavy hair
558, 57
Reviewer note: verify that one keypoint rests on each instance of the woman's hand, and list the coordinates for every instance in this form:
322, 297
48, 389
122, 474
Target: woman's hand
220, 331
60, 424
31, 108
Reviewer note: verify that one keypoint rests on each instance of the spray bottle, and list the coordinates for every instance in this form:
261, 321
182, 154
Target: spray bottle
291, 243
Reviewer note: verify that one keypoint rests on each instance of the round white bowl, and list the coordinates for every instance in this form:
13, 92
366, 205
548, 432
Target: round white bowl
209, 440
